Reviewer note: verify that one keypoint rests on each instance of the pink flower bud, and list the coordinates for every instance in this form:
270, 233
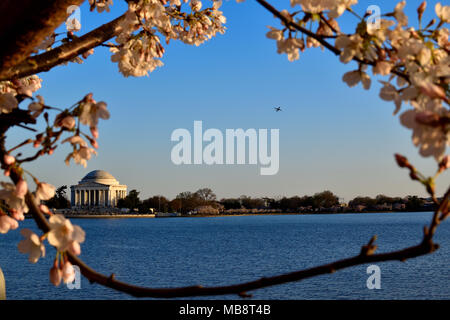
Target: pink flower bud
55, 274
74, 248
94, 131
402, 161
8, 159
421, 9
445, 163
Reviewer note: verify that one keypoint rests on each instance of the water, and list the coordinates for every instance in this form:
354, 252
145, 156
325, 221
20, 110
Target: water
226, 250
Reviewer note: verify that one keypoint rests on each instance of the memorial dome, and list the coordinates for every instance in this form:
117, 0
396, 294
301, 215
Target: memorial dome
100, 176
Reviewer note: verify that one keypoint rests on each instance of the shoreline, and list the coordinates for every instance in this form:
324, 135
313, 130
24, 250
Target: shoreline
124, 216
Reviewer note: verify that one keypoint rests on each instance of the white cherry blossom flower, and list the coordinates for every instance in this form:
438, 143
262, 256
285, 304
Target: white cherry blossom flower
443, 12
275, 34
352, 78
28, 85
291, 47
101, 5
75, 141
80, 156
65, 121
13, 199
351, 45
62, 233
74, 248
389, 93
45, 191
9, 159
399, 15
382, 67
31, 245
92, 111
430, 138
196, 5
37, 107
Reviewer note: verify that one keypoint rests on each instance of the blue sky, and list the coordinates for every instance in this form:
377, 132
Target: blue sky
331, 136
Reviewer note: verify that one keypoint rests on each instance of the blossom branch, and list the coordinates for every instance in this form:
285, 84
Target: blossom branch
319, 38
63, 53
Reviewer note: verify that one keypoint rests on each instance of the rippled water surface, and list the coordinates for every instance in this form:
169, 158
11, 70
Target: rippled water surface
224, 250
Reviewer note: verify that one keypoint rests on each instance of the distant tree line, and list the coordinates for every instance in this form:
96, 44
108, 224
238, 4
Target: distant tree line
205, 200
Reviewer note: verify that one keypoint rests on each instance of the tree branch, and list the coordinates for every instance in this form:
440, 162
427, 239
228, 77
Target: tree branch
320, 39
24, 25
63, 53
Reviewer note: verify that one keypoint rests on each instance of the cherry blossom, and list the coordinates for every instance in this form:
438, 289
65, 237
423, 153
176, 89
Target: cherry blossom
12, 198
9, 159
65, 121
31, 245
351, 45
138, 54
55, 274
428, 135
44, 191
101, 5
92, 111
352, 78
28, 85
63, 233
443, 12
7, 223
37, 107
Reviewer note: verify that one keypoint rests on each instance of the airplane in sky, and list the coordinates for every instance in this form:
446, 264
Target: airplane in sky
277, 109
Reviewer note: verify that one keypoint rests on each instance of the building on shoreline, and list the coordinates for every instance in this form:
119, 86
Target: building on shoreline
97, 189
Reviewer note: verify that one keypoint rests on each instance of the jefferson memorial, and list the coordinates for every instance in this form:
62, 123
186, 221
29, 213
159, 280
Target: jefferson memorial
97, 189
